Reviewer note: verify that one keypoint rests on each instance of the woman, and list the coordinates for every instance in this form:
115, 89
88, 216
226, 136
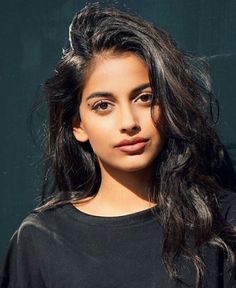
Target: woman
135, 190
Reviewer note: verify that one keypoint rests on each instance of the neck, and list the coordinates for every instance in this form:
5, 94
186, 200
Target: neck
120, 193
124, 191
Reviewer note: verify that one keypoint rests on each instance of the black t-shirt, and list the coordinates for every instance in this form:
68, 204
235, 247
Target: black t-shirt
64, 247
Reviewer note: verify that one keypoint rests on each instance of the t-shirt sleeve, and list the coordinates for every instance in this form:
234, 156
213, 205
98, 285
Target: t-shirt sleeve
21, 268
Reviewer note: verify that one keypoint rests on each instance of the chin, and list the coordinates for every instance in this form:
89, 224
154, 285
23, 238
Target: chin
135, 167
128, 165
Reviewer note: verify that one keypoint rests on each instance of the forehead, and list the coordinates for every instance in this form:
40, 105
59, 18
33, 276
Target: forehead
115, 72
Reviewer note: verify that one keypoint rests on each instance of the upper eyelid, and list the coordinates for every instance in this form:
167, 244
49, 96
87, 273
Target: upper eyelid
109, 97
144, 92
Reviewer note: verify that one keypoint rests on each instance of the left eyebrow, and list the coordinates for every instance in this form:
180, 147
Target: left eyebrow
107, 94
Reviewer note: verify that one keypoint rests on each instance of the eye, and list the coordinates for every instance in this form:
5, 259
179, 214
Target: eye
145, 97
101, 106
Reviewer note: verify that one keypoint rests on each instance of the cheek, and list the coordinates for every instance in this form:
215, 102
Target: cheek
99, 133
158, 119
156, 113
97, 128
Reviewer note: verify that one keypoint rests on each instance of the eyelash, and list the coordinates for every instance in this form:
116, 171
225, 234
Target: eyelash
96, 107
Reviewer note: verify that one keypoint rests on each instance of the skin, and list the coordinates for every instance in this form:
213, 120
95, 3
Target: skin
108, 119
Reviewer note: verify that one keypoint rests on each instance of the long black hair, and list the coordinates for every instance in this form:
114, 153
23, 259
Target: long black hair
189, 174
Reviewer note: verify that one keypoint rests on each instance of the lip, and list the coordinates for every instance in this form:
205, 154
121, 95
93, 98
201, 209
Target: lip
132, 141
133, 145
132, 148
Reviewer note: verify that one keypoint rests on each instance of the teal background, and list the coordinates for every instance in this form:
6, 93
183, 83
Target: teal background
33, 34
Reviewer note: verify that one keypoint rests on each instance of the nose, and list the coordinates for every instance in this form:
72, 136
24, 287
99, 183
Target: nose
128, 120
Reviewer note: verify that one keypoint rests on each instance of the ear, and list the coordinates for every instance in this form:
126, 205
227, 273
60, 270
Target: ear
79, 131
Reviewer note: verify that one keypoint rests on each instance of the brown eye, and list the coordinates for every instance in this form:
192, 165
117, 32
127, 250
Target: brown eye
146, 97
101, 106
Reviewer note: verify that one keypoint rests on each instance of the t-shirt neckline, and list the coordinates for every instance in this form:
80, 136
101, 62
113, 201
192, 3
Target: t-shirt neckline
139, 217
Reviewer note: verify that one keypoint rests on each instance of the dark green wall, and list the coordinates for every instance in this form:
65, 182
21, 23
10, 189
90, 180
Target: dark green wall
33, 34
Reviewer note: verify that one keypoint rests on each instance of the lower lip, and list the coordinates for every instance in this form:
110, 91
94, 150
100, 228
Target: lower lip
132, 148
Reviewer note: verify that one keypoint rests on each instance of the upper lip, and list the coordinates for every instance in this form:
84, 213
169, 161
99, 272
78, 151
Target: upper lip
131, 141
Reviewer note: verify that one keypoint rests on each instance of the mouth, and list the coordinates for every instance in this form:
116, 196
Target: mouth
132, 147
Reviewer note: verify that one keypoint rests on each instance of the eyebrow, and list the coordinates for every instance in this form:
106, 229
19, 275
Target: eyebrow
108, 94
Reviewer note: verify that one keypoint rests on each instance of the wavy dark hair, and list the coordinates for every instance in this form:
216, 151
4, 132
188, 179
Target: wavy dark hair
192, 171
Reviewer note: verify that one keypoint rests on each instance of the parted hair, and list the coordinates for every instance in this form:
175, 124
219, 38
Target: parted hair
192, 171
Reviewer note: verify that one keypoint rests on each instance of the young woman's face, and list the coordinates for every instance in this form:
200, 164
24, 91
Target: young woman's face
116, 106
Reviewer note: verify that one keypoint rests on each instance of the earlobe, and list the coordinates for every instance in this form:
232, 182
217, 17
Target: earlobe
80, 133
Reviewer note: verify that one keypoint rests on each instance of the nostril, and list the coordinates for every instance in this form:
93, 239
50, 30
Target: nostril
136, 127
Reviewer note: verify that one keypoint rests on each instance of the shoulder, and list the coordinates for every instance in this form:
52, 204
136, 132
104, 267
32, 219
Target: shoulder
37, 224
35, 230
227, 206
27, 251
